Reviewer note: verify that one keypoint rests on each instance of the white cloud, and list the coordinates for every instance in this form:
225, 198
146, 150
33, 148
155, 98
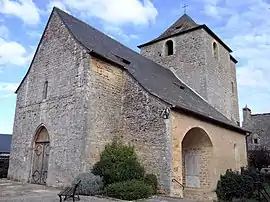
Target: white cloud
215, 11
26, 10
117, 12
8, 87
13, 53
118, 32
58, 4
34, 34
4, 31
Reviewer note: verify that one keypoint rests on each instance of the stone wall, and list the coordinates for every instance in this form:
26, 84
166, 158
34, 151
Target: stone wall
221, 79
187, 62
224, 156
144, 128
194, 63
63, 63
120, 107
105, 84
234, 94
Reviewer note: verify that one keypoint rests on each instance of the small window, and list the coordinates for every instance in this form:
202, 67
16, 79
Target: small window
169, 48
232, 87
45, 91
255, 141
215, 50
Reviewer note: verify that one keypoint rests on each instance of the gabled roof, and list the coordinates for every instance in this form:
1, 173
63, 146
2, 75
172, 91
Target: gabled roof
5, 143
154, 78
184, 25
260, 124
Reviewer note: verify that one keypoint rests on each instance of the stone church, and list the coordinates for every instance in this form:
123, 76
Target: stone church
176, 102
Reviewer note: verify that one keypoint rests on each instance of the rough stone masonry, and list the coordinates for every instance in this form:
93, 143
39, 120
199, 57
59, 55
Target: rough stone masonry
84, 89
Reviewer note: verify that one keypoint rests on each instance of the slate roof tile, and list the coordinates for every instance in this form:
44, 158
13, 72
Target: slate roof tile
5, 143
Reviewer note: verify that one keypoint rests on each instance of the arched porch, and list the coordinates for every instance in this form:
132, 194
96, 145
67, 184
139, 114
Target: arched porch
197, 150
193, 164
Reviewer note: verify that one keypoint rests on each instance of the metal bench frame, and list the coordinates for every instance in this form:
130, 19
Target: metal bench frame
69, 192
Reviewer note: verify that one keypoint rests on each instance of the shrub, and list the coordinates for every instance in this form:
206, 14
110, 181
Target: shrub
90, 184
118, 163
259, 158
254, 174
129, 190
234, 185
152, 180
267, 177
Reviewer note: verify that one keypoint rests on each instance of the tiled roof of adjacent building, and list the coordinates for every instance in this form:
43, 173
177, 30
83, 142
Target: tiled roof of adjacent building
261, 124
5, 143
154, 78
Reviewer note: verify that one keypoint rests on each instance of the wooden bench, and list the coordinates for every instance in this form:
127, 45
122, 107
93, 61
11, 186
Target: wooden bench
69, 192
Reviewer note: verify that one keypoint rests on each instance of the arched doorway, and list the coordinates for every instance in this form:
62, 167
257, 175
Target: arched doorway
40, 156
197, 156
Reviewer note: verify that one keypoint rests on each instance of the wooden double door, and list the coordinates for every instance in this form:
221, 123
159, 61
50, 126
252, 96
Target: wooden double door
41, 157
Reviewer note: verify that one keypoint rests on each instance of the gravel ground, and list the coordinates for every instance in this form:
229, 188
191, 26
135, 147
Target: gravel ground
19, 192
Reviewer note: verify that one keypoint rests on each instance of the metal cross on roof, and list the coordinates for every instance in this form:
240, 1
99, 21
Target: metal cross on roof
185, 8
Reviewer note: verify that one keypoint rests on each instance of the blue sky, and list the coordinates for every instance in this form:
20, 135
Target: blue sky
243, 24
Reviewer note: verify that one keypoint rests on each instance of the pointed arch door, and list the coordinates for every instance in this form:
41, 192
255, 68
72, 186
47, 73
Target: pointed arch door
41, 157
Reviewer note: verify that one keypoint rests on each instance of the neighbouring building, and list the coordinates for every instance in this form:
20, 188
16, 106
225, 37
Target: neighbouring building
259, 125
176, 102
5, 144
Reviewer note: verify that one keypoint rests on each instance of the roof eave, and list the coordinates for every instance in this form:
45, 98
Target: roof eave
217, 38
166, 37
209, 31
212, 120
233, 59
106, 59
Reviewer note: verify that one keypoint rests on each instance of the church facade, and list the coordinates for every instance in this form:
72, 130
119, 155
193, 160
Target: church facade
83, 89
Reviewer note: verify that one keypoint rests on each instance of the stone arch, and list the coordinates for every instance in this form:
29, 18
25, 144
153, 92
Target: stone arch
197, 152
169, 46
41, 150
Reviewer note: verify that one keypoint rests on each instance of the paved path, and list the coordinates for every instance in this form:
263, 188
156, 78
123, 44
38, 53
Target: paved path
19, 192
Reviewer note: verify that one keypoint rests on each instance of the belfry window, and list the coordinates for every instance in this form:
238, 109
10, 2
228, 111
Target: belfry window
45, 90
169, 48
215, 50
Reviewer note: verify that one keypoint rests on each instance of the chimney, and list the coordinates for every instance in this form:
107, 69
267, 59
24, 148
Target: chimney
246, 117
